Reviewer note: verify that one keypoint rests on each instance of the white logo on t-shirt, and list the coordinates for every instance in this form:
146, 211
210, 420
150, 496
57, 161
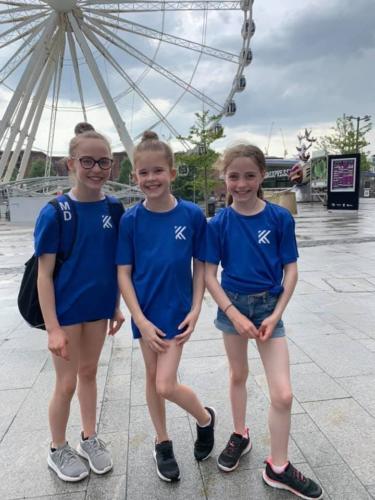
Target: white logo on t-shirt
179, 232
262, 236
107, 222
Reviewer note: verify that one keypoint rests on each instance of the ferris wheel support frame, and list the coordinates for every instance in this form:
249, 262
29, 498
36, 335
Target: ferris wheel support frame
35, 112
26, 83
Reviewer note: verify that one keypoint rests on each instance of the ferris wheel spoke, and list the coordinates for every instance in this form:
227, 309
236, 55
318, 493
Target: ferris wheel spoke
21, 54
139, 29
24, 102
99, 46
35, 64
19, 4
18, 26
150, 6
107, 98
119, 42
55, 101
11, 12
34, 114
77, 74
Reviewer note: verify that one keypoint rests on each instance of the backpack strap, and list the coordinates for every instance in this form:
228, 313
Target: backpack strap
67, 220
116, 209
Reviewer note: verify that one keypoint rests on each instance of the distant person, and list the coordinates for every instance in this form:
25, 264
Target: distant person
158, 240
81, 304
255, 243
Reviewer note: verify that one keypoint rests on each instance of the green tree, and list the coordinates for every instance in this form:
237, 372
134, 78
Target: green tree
125, 171
199, 181
343, 139
37, 168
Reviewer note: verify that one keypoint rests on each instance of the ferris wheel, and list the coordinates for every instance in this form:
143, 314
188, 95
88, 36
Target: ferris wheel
130, 65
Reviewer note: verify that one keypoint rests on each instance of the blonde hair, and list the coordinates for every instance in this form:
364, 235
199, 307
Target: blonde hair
242, 151
150, 142
90, 134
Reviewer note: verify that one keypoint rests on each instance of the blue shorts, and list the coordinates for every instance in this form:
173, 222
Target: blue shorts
255, 307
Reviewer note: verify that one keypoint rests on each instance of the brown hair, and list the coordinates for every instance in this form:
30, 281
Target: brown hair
242, 151
82, 127
150, 142
90, 134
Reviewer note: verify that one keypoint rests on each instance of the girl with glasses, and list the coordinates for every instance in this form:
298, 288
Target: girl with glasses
80, 305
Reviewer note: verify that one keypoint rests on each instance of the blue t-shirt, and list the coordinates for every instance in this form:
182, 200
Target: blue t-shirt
159, 246
252, 249
86, 285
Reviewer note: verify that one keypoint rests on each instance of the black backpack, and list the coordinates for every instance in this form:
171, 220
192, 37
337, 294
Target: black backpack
28, 299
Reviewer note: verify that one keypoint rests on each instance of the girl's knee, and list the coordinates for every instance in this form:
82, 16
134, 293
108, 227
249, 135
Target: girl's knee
238, 376
66, 388
282, 400
87, 373
165, 388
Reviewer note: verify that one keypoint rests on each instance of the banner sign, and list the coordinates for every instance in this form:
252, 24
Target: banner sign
343, 182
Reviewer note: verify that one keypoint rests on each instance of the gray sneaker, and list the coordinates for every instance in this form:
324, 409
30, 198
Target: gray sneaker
67, 464
95, 451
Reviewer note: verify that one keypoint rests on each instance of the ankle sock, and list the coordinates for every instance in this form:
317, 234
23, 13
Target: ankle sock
278, 469
206, 425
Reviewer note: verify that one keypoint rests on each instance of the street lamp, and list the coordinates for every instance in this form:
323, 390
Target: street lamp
365, 118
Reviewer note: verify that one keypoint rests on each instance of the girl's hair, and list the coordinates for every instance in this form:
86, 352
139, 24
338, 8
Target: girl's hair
90, 134
242, 151
150, 142
82, 127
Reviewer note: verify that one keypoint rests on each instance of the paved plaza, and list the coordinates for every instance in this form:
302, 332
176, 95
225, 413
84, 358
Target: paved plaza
331, 331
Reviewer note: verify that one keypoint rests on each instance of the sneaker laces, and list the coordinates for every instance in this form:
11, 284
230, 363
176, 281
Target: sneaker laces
66, 455
98, 445
166, 452
232, 444
297, 474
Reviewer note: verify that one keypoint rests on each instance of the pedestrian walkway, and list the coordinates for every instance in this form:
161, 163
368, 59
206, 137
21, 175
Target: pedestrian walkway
331, 329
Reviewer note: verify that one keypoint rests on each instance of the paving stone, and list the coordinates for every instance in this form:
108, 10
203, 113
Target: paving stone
315, 387
68, 496
362, 390
114, 416
340, 483
203, 348
350, 357
117, 387
21, 368
37, 479
107, 487
346, 424
313, 444
143, 482
10, 401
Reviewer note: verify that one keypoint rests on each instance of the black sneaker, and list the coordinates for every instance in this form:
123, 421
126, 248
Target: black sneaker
294, 481
205, 437
166, 465
237, 446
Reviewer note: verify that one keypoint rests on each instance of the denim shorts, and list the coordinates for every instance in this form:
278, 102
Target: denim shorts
255, 307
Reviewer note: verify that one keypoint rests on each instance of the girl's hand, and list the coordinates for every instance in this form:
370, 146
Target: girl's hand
267, 327
187, 325
58, 343
243, 325
153, 337
116, 322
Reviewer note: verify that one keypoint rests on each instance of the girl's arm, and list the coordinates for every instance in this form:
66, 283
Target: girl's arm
149, 332
188, 324
57, 338
289, 284
242, 324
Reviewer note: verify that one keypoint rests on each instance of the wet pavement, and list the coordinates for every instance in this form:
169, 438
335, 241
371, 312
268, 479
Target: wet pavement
331, 333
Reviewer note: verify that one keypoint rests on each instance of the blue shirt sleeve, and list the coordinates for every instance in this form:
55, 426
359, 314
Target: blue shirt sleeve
125, 249
199, 246
213, 252
288, 243
46, 232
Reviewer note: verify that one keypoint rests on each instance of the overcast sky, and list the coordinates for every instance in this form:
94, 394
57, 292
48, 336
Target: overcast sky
313, 61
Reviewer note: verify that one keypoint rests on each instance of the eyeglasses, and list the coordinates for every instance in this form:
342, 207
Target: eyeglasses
88, 162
